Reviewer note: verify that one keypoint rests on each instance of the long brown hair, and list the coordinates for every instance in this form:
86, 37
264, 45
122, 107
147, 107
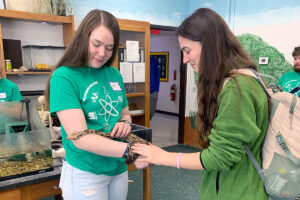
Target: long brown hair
221, 53
77, 53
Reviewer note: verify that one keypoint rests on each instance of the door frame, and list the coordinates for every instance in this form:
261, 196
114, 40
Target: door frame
182, 88
182, 95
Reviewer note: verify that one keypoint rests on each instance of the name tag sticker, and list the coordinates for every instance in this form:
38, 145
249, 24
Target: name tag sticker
2, 95
115, 86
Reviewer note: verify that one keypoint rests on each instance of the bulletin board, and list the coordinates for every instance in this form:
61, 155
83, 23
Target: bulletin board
163, 64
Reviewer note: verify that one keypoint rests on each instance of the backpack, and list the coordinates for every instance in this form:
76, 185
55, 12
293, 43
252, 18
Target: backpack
280, 172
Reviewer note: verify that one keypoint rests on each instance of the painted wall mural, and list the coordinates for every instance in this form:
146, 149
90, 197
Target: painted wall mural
268, 59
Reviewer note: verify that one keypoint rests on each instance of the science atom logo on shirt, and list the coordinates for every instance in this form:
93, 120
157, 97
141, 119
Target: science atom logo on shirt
108, 108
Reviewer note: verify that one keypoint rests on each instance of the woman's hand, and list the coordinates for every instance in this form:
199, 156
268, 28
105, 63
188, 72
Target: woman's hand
121, 130
140, 164
150, 154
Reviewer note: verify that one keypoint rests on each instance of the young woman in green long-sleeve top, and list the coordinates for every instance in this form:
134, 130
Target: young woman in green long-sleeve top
228, 116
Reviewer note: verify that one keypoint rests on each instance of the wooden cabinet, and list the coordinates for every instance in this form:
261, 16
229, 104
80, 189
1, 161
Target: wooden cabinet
13, 194
45, 189
66, 22
33, 191
138, 93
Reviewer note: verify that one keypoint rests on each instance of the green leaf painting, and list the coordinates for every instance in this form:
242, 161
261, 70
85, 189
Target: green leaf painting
256, 48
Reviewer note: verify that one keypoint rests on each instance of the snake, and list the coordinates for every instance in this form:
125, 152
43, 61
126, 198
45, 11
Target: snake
130, 138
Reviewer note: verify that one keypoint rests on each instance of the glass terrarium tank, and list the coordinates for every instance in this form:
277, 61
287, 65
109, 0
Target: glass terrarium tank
36, 58
25, 143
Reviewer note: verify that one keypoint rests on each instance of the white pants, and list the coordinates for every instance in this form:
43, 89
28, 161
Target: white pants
80, 185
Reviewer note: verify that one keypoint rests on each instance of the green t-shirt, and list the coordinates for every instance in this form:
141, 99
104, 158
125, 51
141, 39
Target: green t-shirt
9, 91
290, 81
101, 95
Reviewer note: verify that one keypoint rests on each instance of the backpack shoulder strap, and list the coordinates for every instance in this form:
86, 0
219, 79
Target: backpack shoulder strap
251, 72
259, 170
258, 76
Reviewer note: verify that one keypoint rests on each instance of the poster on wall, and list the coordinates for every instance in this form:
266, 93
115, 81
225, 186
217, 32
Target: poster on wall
163, 64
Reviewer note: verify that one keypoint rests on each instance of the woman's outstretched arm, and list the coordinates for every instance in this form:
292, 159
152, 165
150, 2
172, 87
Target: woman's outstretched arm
155, 155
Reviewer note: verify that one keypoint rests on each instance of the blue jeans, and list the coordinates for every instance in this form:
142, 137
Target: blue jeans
80, 185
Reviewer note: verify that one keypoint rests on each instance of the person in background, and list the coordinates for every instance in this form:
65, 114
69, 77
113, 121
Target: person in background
290, 81
9, 91
10, 106
228, 116
154, 85
86, 92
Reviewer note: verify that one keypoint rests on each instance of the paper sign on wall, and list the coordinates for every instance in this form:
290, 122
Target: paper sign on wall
126, 71
138, 72
132, 51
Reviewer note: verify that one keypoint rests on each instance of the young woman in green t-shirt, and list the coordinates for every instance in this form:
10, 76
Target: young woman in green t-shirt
86, 92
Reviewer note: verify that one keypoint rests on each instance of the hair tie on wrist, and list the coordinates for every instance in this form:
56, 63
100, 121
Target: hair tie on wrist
178, 159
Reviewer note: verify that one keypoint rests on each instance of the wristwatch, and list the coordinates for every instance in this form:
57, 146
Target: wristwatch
125, 121
127, 150
129, 155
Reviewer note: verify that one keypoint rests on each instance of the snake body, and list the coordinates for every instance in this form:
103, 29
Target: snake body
131, 139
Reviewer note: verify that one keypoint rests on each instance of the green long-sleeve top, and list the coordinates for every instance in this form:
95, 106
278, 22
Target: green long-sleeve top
242, 118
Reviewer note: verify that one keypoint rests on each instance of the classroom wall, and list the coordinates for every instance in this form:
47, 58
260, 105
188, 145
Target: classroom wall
156, 12
166, 12
276, 22
32, 33
282, 36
